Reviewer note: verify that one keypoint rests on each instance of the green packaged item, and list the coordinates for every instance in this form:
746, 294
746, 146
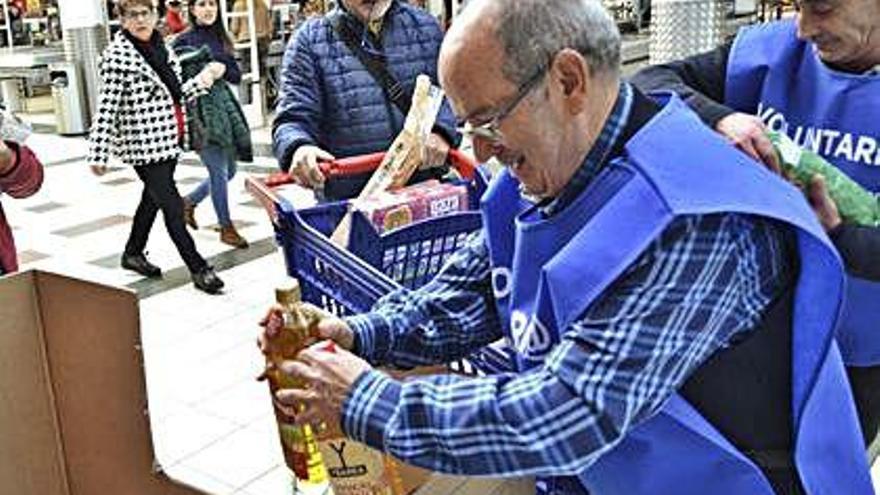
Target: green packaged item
855, 204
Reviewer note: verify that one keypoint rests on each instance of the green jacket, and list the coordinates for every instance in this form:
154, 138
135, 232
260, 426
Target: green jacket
215, 118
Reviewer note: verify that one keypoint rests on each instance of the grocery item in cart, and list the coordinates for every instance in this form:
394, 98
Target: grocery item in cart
406, 153
854, 203
390, 210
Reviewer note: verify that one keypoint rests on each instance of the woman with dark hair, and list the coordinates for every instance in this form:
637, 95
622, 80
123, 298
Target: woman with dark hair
140, 119
216, 149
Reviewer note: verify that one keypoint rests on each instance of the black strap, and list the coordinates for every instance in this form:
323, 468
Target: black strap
375, 65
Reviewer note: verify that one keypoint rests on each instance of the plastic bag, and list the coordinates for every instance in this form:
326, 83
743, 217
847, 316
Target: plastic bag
854, 203
13, 129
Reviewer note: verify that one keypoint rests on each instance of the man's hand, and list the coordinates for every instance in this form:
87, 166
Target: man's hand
304, 165
328, 328
749, 134
329, 372
436, 149
823, 205
99, 169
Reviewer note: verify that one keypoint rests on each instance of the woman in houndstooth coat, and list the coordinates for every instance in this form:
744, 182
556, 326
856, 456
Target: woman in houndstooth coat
140, 120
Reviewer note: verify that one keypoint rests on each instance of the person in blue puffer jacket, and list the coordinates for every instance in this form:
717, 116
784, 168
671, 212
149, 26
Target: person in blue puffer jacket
329, 104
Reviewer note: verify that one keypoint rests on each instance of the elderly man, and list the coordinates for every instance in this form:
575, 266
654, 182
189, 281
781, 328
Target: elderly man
346, 82
815, 78
669, 335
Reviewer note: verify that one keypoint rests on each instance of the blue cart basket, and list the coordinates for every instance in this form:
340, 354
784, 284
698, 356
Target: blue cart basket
350, 281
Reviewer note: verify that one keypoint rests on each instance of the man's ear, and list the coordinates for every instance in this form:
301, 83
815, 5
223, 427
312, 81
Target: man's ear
572, 72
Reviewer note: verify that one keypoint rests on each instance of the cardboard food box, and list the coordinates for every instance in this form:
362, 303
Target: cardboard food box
72, 391
73, 398
390, 210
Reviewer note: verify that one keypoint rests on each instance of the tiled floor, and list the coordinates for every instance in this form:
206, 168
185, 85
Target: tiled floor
212, 422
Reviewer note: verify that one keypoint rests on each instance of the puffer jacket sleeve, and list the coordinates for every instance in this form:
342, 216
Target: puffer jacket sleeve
233, 71
298, 114
105, 124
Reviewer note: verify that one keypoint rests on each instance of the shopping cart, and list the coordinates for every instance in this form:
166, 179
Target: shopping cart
349, 281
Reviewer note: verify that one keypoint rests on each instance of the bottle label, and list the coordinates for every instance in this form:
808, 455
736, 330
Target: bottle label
317, 470
354, 468
295, 455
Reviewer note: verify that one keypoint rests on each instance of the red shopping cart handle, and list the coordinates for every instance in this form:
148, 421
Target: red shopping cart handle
345, 167
354, 165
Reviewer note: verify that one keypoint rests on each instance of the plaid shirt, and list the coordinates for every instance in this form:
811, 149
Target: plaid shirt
704, 281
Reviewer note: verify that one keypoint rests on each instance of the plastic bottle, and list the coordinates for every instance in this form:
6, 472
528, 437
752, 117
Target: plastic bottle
854, 203
323, 462
298, 443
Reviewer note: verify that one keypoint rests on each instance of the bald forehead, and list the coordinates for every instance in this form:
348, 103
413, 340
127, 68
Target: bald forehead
477, 20
471, 61
472, 35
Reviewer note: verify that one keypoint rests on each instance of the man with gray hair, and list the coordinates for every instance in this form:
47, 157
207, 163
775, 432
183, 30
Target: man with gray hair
667, 336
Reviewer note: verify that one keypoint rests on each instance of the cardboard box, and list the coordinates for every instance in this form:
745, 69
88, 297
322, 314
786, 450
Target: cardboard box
72, 391
73, 398
389, 210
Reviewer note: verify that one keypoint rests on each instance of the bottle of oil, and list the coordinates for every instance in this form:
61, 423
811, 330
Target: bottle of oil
301, 453
324, 461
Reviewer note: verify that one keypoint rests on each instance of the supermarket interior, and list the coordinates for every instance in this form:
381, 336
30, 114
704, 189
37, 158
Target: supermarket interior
178, 176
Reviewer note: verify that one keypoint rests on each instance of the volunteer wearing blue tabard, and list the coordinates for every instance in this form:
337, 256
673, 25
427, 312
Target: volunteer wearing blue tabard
816, 78
670, 336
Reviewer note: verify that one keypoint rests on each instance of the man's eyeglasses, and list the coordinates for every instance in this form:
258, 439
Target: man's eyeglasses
491, 130
136, 15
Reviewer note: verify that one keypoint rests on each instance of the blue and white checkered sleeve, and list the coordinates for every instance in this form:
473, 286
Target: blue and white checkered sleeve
440, 322
705, 280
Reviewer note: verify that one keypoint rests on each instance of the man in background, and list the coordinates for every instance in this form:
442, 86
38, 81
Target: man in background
332, 104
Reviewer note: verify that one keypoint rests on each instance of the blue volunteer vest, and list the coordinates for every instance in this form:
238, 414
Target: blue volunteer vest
781, 79
547, 272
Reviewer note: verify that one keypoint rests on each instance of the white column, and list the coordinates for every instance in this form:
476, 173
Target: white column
81, 13
84, 28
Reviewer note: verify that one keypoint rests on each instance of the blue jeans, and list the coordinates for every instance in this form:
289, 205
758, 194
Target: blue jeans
221, 169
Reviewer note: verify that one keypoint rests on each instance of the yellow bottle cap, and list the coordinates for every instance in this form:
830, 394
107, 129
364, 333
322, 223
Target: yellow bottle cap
288, 292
